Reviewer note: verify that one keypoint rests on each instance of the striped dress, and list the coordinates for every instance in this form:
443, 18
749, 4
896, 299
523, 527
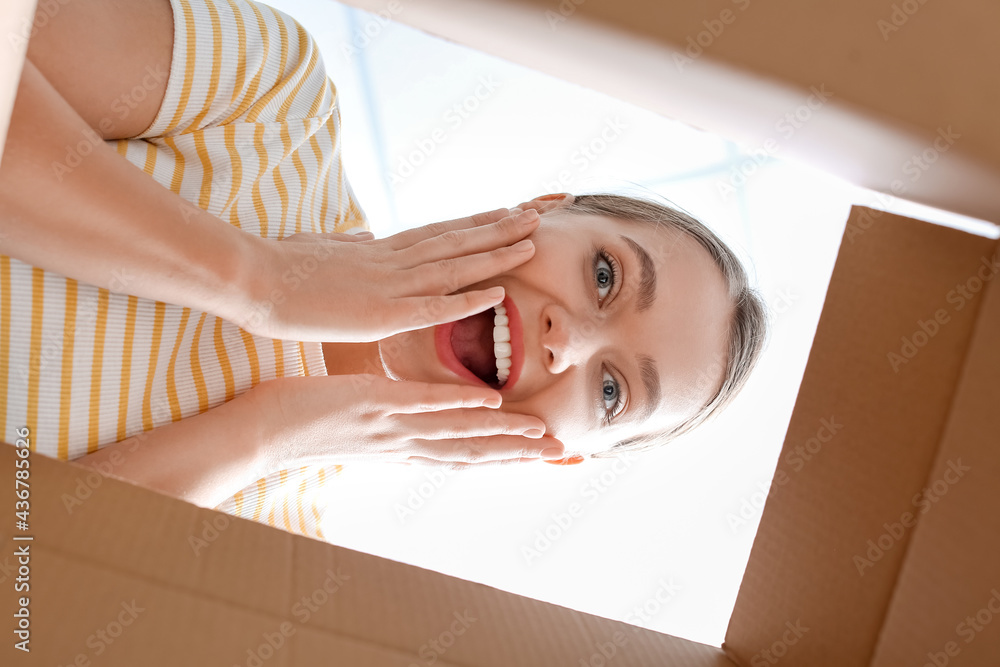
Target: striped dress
249, 131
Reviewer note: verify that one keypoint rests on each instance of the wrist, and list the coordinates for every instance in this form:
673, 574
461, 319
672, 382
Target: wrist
247, 299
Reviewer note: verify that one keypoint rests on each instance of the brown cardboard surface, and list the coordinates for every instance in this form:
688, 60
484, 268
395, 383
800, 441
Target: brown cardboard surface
861, 442
934, 65
128, 562
909, 115
946, 608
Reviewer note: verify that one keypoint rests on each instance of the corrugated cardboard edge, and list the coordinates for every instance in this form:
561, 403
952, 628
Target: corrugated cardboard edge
218, 590
946, 606
862, 441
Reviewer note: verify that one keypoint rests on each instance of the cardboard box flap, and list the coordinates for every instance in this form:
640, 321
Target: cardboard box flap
874, 400
946, 606
201, 587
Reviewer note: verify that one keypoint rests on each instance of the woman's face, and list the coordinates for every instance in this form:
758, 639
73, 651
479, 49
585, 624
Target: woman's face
647, 327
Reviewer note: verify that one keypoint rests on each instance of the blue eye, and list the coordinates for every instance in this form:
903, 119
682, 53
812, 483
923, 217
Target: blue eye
605, 273
611, 391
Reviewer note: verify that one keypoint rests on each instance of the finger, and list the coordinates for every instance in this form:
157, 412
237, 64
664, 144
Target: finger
410, 397
465, 423
459, 465
410, 237
489, 448
463, 242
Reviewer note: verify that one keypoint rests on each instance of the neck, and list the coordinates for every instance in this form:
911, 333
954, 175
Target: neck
352, 359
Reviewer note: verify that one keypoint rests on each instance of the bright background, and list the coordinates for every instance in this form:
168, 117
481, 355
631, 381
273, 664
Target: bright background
661, 541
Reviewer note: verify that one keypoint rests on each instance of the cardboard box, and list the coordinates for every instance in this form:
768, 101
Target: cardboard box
877, 545
898, 96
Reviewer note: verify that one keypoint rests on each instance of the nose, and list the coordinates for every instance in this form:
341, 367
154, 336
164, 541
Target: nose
566, 340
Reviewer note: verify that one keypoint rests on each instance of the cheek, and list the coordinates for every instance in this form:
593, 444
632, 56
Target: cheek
561, 407
399, 354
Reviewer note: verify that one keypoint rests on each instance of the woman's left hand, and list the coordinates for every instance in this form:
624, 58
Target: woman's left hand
338, 288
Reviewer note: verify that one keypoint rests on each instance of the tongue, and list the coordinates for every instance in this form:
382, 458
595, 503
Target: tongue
472, 341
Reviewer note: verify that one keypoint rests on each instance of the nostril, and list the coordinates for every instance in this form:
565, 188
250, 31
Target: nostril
552, 357
548, 324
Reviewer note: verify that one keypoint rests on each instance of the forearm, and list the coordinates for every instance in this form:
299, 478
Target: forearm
203, 459
99, 219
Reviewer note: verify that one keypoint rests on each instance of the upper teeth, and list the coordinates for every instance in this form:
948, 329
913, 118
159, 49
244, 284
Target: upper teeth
501, 343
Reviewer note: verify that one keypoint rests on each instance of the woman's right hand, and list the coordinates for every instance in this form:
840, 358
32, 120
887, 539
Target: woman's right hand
346, 418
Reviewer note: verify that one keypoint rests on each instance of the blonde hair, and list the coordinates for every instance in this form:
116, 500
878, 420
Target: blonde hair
748, 328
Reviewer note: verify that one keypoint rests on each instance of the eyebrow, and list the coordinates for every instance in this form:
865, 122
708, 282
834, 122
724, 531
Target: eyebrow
647, 278
651, 380
645, 298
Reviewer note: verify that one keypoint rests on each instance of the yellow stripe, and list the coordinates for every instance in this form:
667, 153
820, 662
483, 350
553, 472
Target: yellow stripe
238, 500
279, 358
298, 507
227, 369
96, 369
251, 348
314, 107
151, 153
255, 84
323, 163
258, 202
241, 62
317, 517
178, 177
208, 172
259, 506
236, 164
35, 355
302, 356
282, 114
4, 340
213, 86
326, 176
123, 395
199, 376
279, 182
189, 65
122, 147
303, 188
154, 353
262, 103
66, 387
175, 405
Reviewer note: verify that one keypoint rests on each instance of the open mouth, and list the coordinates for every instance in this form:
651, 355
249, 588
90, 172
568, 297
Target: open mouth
482, 345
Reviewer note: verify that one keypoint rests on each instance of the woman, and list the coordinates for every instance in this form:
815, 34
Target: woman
148, 339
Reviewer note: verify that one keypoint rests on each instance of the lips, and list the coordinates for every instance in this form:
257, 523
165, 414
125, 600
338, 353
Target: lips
446, 354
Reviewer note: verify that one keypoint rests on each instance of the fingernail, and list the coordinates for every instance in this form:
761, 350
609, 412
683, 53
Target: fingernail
494, 293
558, 195
526, 218
533, 433
552, 453
492, 402
522, 246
